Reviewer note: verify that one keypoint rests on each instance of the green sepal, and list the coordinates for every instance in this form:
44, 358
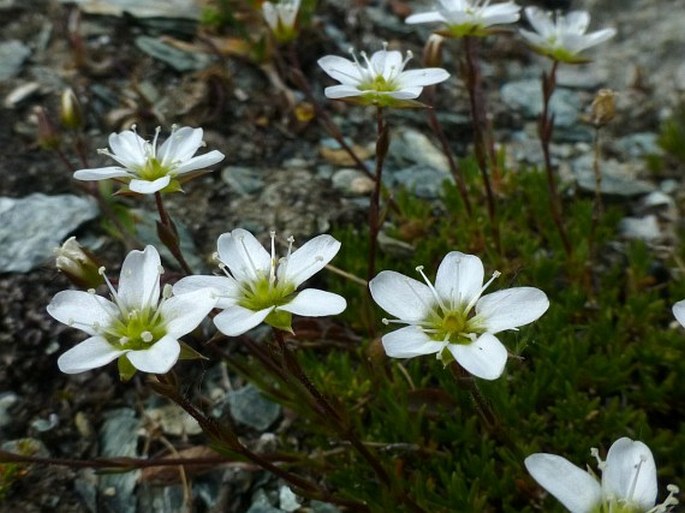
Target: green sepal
445, 357
281, 320
188, 353
383, 100
126, 369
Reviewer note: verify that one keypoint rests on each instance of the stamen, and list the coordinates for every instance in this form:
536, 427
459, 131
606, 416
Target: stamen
154, 141
274, 261
248, 257
475, 299
146, 336
419, 269
633, 483
112, 291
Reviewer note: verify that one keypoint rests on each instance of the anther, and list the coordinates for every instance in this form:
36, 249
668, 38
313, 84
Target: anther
146, 336
385, 321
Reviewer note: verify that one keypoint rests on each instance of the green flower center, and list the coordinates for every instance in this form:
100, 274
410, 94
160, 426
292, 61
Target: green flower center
379, 84
261, 294
152, 170
455, 326
613, 506
138, 330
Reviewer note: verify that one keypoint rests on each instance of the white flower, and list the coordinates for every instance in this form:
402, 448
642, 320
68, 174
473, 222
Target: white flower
628, 482
259, 287
452, 314
281, 18
468, 17
380, 80
137, 326
147, 169
679, 312
562, 36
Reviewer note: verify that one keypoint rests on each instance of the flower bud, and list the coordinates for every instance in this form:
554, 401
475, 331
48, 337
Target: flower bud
78, 264
281, 19
71, 114
47, 135
432, 51
603, 108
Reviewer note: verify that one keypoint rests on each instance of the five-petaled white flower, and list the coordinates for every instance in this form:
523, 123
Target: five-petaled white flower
259, 287
281, 18
148, 169
628, 483
380, 80
679, 312
468, 17
562, 36
137, 327
453, 316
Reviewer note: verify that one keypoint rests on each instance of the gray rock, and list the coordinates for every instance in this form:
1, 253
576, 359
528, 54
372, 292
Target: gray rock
119, 437
323, 507
243, 180
174, 420
33, 226
185, 9
639, 144
525, 96
411, 146
287, 500
7, 399
177, 59
424, 181
161, 499
12, 56
249, 407
352, 182
618, 179
261, 504
640, 228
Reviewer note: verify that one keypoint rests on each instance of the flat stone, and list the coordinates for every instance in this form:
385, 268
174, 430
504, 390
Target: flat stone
424, 181
352, 182
178, 59
525, 96
411, 146
12, 55
187, 9
249, 407
618, 179
32, 227
243, 180
641, 228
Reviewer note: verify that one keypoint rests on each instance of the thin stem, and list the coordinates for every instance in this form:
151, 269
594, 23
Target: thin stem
382, 143
330, 414
169, 235
436, 126
545, 130
474, 85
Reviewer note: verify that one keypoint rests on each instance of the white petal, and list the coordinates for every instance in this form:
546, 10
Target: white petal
343, 70
82, 310
101, 173
315, 303
630, 473
540, 21
401, 296
422, 77
225, 288
91, 353
236, 320
180, 146
575, 22
147, 186
425, 17
128, 148
342, 91
409, 342
679, 312
308, 260
501, 13
596, 38
159, 359
183, 313
459, 278
200, 162
386, 63
535, 39
485, 358
408, 93
511, 308
139, 279
245, 257
577, 490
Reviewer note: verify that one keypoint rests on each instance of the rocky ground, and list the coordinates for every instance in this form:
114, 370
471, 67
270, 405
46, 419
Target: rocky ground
147, 65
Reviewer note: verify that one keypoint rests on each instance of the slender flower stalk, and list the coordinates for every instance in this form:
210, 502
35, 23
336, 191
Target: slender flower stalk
628, 483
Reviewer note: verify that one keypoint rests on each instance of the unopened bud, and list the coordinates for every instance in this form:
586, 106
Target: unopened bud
432, 51
282, 19
78, 264
47, 135
71, 114
603, 108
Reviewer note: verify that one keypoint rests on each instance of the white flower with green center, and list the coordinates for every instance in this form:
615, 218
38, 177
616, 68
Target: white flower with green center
281, 18
452, 319
562, 36
259, 287
379, 80
468, 17
628, 483
137, 326
148, 169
